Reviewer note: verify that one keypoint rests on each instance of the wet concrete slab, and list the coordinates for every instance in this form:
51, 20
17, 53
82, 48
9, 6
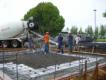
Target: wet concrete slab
35, 59
39, 60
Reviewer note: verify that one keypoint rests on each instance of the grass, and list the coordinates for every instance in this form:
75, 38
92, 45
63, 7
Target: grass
101, 40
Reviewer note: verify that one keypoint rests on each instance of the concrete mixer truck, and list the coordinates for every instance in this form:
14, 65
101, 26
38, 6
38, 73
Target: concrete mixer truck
12, 34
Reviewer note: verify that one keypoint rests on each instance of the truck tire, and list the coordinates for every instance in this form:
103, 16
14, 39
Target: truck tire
15, 43
4, 44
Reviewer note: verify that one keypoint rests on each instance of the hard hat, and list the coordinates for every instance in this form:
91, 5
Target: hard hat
47, 32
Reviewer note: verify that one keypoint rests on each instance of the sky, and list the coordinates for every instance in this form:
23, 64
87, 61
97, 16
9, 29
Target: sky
75, 12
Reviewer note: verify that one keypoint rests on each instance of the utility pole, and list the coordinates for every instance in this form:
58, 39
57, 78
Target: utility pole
95, 28
95, 24
95, 17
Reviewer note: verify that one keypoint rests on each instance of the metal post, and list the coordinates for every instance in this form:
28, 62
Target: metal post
97, 70
79, 68
85, 73
3, 62
55, 72
17, 65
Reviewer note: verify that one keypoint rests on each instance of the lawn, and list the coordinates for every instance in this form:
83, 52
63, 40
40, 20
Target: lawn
101, 40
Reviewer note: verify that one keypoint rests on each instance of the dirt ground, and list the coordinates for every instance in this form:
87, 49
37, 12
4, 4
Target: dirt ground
101, 51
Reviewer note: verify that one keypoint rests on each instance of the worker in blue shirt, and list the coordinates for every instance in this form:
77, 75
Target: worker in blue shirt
70, 42
60, 43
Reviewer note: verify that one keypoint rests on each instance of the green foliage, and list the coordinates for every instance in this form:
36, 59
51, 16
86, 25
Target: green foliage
46, 15
96, 33
101, 40
102, 31
89, 31
80, 31
104, 14
74, 30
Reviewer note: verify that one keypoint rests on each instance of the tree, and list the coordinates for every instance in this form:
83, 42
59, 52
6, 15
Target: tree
102, 31
47, 17
104, 14
89, 31
80, 31
74, 30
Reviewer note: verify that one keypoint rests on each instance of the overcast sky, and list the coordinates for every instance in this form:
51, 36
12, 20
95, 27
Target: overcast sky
75, 12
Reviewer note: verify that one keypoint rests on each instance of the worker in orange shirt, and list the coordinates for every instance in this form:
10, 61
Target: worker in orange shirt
46, 42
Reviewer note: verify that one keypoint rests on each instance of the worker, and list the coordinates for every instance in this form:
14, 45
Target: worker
77, 39
46, 42
70, 42
60, 43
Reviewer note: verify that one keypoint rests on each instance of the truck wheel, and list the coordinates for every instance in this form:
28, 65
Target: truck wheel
4, 44
15, 43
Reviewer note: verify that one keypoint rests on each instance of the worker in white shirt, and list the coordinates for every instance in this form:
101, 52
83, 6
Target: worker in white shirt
77, 39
